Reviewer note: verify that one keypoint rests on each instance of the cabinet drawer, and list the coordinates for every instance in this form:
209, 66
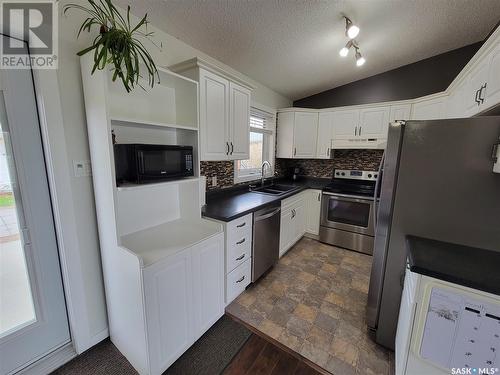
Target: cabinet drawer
238, 251
237, 280
239, 228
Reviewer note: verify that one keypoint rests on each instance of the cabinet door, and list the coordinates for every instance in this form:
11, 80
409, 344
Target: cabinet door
168, 294
454, 107
400, 112
430, 109
208, 283
313, 211
492, 94
477, 78
345, 124
373, 122
286, 231
325, 135
239, 122
299, 222
214, 116
305, 134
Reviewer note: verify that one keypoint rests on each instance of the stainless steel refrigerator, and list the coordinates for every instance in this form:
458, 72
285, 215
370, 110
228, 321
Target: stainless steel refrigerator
438, 183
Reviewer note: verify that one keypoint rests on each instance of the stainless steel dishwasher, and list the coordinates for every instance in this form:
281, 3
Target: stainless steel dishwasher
266, 239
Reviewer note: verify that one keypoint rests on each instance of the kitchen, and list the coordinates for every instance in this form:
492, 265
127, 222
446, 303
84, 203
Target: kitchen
234, 221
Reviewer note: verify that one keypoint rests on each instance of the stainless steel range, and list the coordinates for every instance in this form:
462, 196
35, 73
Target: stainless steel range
348, 209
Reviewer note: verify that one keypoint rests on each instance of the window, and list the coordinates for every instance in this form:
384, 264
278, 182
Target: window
262, 126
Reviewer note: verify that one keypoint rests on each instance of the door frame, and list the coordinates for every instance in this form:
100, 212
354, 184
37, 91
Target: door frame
58, 168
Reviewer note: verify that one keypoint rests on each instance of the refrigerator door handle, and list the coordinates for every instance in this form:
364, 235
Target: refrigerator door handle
375, 194
494, 151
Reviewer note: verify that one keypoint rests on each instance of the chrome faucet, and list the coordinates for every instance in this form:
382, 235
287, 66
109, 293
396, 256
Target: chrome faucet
263, 168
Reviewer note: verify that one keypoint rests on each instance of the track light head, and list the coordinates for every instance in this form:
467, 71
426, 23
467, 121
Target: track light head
351, 30
360, 60
345, 50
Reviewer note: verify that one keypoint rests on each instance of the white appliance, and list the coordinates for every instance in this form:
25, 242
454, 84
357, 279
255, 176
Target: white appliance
445, 328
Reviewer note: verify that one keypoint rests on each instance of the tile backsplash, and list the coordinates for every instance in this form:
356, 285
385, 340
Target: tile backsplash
342, 159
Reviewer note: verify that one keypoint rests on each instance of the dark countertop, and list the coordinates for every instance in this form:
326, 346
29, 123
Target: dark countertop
468, 266
232, 203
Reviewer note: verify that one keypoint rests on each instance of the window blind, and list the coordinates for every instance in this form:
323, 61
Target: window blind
262, 120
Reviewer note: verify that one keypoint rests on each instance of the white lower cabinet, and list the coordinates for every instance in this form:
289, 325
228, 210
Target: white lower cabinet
293, 221
313, 208
183, 297
238, 255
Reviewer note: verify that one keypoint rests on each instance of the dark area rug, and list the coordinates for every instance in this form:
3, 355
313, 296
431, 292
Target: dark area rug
210, 355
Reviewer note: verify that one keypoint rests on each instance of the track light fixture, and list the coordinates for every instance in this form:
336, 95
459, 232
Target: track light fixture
351, 31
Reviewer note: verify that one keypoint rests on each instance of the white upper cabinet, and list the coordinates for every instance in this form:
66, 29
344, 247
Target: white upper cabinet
492, 91
454, 106
239, 120
214, 116
325, 135
429, 109
373, 122
475, 86
224, 110
400, 112
345, 124
305, 134
297, 134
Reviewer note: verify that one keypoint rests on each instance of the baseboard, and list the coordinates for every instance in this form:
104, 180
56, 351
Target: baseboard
312, 235
96, 339
51, 361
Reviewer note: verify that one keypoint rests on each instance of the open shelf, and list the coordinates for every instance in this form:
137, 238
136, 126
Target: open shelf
174, 100
131, 186
158, 242
145, 122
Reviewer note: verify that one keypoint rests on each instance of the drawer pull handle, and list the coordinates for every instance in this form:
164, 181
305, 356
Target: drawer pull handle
241, 225
240, 257
241, 279
240, 241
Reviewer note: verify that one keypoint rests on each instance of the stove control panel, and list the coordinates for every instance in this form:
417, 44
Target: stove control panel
355, 174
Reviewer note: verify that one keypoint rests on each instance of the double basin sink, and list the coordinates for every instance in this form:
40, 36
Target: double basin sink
275, 189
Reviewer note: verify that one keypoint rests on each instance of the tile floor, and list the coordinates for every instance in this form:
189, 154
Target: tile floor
313, 302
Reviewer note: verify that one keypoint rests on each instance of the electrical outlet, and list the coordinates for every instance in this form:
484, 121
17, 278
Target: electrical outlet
82, 168
214, 181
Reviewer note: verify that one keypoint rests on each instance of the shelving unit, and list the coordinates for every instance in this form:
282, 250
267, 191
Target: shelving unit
163, 264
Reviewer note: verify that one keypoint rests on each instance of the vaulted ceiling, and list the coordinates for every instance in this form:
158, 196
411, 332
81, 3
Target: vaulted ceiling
292, 46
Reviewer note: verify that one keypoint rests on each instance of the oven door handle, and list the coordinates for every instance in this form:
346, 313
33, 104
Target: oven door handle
354, 198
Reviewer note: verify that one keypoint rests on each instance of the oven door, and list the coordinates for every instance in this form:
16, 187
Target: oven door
353, 214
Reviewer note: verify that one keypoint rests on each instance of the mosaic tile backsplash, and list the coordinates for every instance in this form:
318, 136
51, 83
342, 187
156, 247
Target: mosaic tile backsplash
342, 159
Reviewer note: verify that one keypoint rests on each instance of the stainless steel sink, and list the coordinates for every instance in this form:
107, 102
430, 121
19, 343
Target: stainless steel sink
277, 189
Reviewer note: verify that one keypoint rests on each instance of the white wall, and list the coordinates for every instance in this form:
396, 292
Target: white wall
75, 137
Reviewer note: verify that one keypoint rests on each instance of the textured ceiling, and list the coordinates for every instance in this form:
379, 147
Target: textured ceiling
292, 46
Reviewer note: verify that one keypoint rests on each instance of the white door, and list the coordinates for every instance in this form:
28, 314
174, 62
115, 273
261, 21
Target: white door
239, 122
313, 211
373, 122
325, 135
208, 283
400, 112
33, 320
345, 124
492, 95
214, 116
305, 133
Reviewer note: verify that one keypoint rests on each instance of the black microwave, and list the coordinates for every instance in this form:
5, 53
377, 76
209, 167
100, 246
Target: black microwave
143, 163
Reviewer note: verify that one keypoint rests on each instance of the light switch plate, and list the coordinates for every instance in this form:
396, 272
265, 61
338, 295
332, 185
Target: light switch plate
82, 168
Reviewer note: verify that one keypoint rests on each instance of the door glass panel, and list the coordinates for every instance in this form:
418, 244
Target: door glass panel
353, 213
16, 302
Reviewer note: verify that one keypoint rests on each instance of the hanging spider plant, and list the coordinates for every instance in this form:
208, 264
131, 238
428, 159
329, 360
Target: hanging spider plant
117, 43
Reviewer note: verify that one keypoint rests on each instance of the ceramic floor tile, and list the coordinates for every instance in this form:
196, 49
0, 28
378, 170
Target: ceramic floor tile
313, 301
